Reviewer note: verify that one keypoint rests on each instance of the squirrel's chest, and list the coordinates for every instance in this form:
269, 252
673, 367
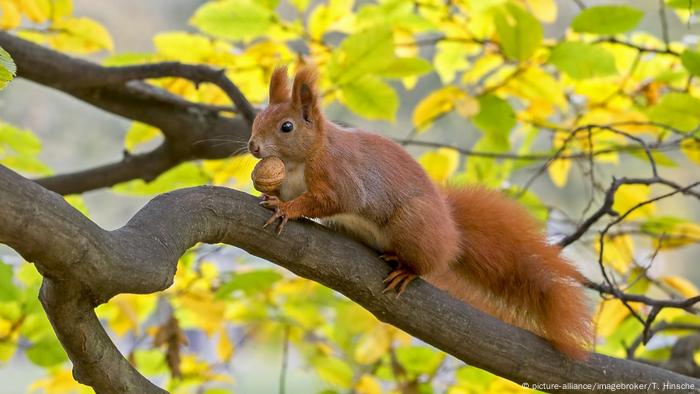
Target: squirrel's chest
354, 225
294, 183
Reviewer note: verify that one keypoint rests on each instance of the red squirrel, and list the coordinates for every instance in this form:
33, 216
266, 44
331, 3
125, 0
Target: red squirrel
474, 243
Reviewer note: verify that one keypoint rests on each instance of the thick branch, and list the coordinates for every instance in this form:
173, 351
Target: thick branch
92, 265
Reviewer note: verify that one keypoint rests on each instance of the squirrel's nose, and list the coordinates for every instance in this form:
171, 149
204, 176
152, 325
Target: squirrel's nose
254, 148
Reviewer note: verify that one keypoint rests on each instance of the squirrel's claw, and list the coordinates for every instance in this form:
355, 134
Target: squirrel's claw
279, 214
270, 202
398, 280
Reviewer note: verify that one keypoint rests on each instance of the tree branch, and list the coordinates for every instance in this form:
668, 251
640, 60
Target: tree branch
84, 265
192, 131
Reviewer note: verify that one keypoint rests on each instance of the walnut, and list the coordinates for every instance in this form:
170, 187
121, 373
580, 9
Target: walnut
268, 174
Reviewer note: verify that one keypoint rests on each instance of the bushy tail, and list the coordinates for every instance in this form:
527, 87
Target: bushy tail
509, 271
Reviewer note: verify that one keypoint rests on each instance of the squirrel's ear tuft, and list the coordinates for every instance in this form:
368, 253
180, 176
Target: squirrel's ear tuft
304, 94
279, 90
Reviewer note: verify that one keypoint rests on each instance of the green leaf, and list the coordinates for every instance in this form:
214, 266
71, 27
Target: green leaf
7, 350
249, 282
47, 352
367, 52
418, 360
406, 67
670, 225
127, 59
477, 379
150, 362
8, 290
26, 164
233, 19
678, 110
683, 4
519, 31
450, 58
334, 371
22, 141
394, 13
371, 98
486, 170
496, 118
8, 69
607, 19
184, 175
691, 61
580, 60
184, 46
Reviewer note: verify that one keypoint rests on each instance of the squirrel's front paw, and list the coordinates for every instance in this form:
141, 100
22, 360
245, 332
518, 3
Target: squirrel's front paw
272, 202
269, 201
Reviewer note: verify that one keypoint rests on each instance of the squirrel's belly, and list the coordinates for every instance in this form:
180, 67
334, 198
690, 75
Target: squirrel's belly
361, 229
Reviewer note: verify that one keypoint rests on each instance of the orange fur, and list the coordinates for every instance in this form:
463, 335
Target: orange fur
519, 277
474, 243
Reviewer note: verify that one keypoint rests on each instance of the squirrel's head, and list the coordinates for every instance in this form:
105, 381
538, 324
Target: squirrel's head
291, 126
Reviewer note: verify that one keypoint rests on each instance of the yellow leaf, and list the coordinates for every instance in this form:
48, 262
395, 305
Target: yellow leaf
125, 312
405, 43
336, 15
559, 171
611, 313
224, 348
183, 46
81, 35
61, 9
618, 251
483, 65
194, 368
440, 164
11, 17
368, 384
5, 327
544, 10
503, 386
691, 149
235, 171
435, 104
372, 345
138, 134
60, 381
538, 86
198, 308
629, 196
681, 285
36, 10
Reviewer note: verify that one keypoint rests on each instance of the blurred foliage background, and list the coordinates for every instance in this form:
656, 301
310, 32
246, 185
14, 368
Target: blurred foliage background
546, 100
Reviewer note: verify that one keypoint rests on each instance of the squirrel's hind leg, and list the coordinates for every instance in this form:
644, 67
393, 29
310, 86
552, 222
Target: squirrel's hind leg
424, 239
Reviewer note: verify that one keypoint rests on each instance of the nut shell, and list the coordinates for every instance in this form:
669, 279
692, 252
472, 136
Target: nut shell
268, 174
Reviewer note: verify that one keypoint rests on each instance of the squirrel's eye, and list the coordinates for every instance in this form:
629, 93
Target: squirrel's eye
287, 127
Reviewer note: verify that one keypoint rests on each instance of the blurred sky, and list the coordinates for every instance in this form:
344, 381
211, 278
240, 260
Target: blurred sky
76, 136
